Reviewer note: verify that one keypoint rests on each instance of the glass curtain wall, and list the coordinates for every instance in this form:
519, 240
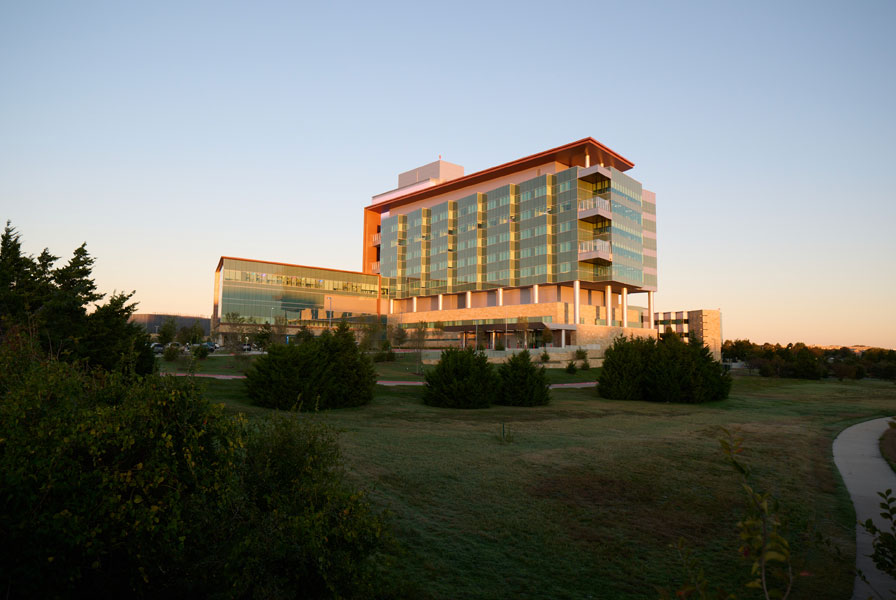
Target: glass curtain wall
443, 233
502, 227
471, 215
266, 293
536, 230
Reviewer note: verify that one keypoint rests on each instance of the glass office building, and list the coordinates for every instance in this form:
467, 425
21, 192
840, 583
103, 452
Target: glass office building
557, 240
268, 292
569, 219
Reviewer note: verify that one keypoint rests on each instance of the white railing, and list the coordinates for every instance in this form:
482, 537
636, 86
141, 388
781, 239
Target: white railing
375, 239
375, 267
595, 246
595, 202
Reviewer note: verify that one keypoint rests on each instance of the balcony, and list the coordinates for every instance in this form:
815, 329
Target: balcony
596, 251
375, 239
596, 207
375, 267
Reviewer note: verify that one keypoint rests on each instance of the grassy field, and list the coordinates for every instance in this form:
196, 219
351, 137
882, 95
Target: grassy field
402, 369
585, 496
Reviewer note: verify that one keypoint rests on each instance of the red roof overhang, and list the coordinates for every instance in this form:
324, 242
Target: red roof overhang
570, 154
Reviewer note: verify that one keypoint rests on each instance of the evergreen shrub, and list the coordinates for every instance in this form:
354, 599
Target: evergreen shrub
571, 367
461, 379
328, 371
522, 383
668, 370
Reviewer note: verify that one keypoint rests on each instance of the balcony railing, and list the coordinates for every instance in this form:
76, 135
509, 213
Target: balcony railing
601, 246
375, 267
375, 239
598, 202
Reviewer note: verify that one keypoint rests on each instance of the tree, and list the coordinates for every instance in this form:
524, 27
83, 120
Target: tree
522, 383
167, 331
328, 371
399, 336
418, 339
461, 379
52, 304
547, 336
522, 331
263, 336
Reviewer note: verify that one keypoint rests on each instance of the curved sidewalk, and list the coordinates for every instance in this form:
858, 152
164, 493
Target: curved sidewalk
865, 473
582, 384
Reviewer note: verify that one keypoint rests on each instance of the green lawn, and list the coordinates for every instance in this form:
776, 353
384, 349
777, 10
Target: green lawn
588, 495
216, 364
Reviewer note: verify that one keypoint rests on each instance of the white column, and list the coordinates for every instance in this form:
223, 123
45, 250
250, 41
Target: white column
391, 305
608, 300
625, 307
500, 296
440, 301
535, 293
463, 339
576, 300
650, 308
493, 340
469, 299
414, 304
587, 159
563, 338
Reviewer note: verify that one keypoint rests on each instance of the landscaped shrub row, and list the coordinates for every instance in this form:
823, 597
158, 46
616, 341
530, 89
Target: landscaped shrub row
465, 379
328, 371
668, 370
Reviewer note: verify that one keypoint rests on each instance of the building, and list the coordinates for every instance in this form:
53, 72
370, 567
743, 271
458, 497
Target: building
703, 325
152, 321
554, 243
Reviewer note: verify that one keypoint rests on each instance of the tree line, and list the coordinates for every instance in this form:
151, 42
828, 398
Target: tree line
807, 362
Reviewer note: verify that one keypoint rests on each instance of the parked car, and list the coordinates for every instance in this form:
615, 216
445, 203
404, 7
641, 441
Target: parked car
158, 348
211, 346
247, 347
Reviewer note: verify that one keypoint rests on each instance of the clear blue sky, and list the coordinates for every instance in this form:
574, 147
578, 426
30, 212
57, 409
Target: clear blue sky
167, 134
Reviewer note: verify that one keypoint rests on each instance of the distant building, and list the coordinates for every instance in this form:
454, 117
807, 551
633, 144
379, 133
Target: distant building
152, 321
704, 325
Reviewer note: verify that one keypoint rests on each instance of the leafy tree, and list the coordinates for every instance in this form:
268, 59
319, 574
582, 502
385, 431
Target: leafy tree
547, 336
328, 371
167, 331
418, 339
263, 336
399, 336
117, 487
522, 383
461, 379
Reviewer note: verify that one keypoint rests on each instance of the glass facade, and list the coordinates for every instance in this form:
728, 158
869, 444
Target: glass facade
263, 292
553, 228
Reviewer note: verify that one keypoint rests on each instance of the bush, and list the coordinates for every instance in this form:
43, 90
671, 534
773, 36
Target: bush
498, 346
581, 354
522, 383
385, 353
666, 371
171, 353
461, 379
328, 371
571, 367
118, 487
585, 365
545, 357
201, 352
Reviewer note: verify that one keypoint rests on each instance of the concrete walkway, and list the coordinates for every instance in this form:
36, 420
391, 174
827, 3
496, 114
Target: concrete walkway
865, 473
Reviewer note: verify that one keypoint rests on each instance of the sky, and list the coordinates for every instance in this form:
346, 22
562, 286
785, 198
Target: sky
167, 134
